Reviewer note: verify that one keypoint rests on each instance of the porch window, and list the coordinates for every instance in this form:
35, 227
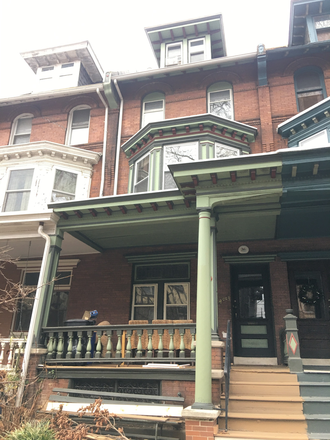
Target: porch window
142, 175
18, 190
162, 291
180, 153
58, 307
64, 186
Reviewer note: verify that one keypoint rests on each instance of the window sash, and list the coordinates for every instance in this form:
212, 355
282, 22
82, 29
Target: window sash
142, 174
174, 54
79, 129
23, 129
18, 190
178, 153
145, 306
220, 103
196, 50
176, 301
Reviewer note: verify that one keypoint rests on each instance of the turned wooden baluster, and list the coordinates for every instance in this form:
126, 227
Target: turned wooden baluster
60, 346
10, 354
50, 346
193, 347
79, 346
139, 344
149, 352
2, 352
128, 353
160, 343
182, 347
108, 354
54, 347
70, 346
88, 353
171, 346
118, 348
98, 345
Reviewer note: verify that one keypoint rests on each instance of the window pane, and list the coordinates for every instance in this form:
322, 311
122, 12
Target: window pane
65, 181
225, 151
80, 118
177, 294
174, 51
17, 201
79, 136
20, 179
180, 154
176, 313
196, 43
223, 95
142, 169
144, 295
22, 139
145, 313
153, 117
308, 81
220, 104
24, 125
31, 278
58, 308
153, 105
195, 57
141, 186
306, 100
252, 302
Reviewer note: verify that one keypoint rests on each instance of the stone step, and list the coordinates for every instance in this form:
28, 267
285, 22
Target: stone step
262, 376
318, 423
263, 389
319, 436
257, 435
264, 404
245, 421
314, 376
316, 405
315, 389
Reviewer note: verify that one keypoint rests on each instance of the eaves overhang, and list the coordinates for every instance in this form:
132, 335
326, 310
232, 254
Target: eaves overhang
302, 50
306, 120
53, 94
188, 128
300, 9
167, 33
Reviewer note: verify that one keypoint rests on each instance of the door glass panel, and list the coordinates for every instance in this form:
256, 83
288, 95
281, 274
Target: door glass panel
253, 330
251, 297
254, 343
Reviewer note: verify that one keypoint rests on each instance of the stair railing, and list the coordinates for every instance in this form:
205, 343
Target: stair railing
227, 373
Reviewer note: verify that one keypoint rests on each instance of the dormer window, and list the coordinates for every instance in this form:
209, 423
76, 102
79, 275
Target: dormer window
173, 54
197, 50
322, 27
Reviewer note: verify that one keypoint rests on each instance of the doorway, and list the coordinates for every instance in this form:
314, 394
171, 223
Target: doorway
253, 330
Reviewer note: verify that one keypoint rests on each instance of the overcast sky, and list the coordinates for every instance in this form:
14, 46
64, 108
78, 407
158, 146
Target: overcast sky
115, 30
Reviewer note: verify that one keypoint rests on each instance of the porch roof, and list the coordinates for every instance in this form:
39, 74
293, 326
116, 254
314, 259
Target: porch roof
284, 194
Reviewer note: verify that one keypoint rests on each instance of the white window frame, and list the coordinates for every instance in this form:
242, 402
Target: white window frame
230, 99
160, 112
136, 173
187, 284
197, 49
312, 141
70, 121
155, 286
51, 77
165, 165
62, 192
14, 128
7, 191
173, 61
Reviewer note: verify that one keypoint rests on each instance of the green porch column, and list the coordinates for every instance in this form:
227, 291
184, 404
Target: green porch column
214, 282
48, 284
203, 380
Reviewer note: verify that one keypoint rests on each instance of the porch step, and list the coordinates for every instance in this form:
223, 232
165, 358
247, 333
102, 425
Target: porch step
264, 404
253, 435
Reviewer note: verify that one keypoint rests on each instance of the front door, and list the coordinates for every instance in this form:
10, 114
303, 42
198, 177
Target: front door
253, 334
310, 299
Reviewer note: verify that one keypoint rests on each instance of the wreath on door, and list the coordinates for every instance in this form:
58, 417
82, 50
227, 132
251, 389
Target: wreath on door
309, 294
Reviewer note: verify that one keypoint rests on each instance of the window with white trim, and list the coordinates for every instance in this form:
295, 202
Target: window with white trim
153, 107
173, 54
21, 130
196, 50
64, 186
220, 100
18, 190
179, 153
141, 175
58, 307
316, 140
78, 126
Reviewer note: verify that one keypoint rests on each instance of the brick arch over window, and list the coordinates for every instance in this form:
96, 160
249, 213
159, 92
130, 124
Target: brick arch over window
28, 109
153, 87
229, 76
291, 68
86, 100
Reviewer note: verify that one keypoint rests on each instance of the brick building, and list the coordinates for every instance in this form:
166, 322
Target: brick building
210, 203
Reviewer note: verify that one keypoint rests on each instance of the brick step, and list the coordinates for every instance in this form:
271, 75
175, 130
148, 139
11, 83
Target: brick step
247, 421
258, 435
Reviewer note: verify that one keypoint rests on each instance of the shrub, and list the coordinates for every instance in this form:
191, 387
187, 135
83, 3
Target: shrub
35, 430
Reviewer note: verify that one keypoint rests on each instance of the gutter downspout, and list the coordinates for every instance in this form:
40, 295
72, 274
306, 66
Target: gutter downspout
105, 135
115, 188
29, 342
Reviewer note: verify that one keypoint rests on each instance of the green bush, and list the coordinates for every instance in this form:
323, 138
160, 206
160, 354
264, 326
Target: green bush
32, 431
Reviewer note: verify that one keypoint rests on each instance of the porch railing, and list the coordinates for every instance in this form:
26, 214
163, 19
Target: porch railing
10, 350
141, 343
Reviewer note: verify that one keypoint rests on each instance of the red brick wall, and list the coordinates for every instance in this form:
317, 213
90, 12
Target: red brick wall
187, 390
201, 429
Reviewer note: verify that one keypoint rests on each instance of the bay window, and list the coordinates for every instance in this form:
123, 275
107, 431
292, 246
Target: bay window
180, 153
142, 174
64, 186
18, 190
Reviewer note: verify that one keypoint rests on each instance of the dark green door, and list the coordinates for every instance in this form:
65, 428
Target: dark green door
253, 333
